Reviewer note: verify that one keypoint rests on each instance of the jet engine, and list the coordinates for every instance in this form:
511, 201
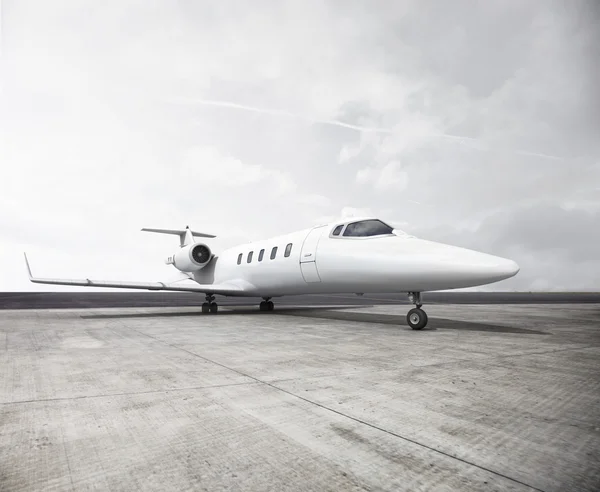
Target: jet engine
191, 258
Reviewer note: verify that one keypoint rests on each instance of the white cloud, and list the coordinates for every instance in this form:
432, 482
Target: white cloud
208, 164
388, 177
317, 200
348, 212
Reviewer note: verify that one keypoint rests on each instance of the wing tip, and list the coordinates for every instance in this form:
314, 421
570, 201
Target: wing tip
28, 266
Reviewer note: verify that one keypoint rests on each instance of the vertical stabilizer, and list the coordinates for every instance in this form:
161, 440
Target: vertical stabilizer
187, 237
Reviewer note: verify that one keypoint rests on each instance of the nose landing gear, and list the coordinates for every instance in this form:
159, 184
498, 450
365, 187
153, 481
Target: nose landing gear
210, 306
416, 317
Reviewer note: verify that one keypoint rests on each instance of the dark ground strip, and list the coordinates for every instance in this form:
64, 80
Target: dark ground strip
232, 311
58, 300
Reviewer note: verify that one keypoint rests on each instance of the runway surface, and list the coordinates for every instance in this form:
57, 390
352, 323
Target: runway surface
322, 396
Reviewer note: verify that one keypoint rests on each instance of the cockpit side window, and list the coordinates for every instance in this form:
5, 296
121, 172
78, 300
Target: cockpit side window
337, 230
366, 228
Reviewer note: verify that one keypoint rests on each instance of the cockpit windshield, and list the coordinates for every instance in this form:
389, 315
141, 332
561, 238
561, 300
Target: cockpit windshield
366, 228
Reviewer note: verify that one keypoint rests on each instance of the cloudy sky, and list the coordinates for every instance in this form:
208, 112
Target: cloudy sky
475, 123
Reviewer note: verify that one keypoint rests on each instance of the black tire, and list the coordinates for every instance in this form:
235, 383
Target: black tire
214, 307
263, 305
205, 307
270, 306
416, 319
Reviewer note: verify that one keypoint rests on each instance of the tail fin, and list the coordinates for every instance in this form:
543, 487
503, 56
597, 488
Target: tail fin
186, 236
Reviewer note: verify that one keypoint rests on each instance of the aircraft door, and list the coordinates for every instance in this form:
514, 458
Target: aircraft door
308, 255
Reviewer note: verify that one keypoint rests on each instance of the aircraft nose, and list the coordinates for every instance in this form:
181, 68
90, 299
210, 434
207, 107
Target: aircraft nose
510, 268
503, 268
443, 266
467, 267
493, 267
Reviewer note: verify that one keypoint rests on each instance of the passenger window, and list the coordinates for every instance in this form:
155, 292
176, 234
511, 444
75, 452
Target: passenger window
274, 253
288, 250
240, 259
261, 254
250, 256
337, 230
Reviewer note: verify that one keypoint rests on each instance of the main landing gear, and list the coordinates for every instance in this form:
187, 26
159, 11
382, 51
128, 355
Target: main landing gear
266, 305
210, 306
416, 317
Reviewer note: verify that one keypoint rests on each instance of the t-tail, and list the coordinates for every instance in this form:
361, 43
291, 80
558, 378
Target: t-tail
191, 256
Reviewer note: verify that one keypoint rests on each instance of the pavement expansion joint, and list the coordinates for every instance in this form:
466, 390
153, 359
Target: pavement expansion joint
129, 393
342, 414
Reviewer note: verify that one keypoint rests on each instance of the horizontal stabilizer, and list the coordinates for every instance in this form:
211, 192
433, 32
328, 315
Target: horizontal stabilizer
178, 232
222, 289
185, 235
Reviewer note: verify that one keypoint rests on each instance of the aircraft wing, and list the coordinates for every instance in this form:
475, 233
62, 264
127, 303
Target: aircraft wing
226, 289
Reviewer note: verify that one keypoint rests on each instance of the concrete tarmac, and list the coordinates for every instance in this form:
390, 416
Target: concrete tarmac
488, 397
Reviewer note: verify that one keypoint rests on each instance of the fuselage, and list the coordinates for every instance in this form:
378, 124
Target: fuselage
323, 260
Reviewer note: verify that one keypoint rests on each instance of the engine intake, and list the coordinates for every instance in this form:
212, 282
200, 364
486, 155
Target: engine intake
191, 258
200, 254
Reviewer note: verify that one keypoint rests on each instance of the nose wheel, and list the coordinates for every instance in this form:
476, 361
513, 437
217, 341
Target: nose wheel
210, 306
416, 317
266, 305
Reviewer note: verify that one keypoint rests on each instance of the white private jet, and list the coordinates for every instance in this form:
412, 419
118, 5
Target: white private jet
357, 255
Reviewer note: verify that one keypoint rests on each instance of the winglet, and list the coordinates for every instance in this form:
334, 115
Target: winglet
28, 267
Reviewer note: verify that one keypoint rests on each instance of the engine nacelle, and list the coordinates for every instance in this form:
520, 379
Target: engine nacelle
191, 258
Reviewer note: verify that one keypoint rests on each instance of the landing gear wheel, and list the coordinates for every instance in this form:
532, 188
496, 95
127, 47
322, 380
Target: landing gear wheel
416, 319
266, 305
210, 306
